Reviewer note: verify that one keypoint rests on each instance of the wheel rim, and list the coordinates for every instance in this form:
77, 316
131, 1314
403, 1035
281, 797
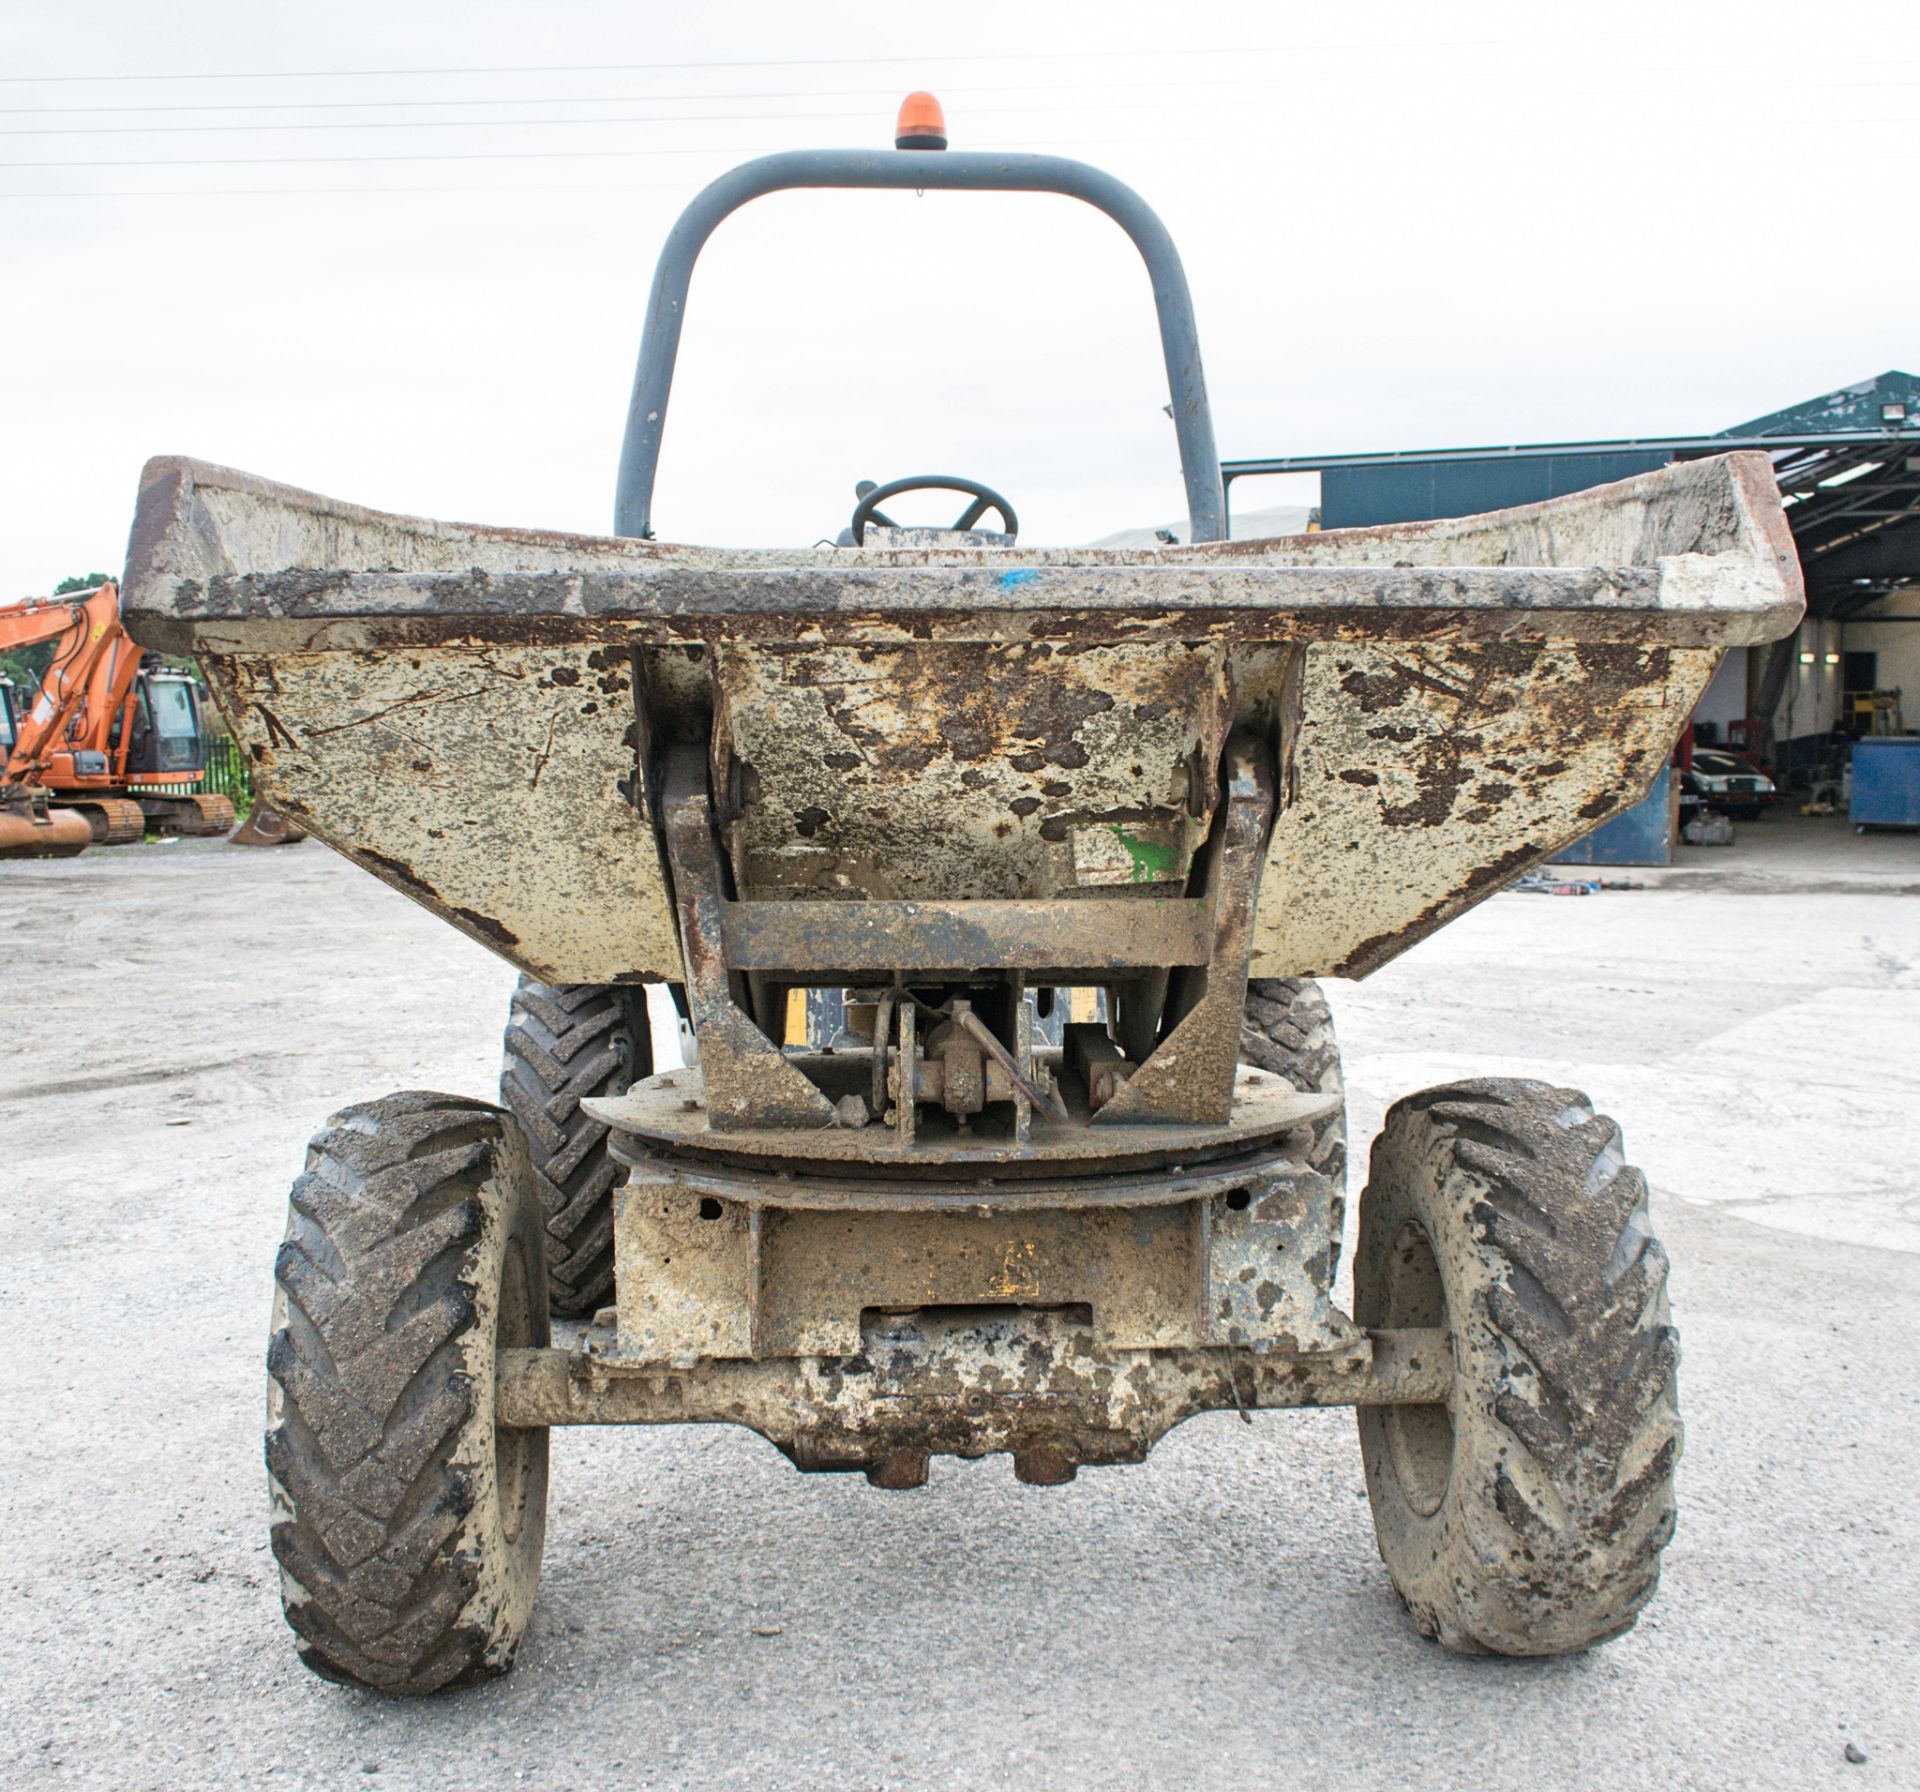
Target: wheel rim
1419, 1438
514, 1450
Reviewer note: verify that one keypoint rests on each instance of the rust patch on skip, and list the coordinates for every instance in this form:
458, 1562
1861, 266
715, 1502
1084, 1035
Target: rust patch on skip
1371, 954
1439, 769
497, 932
399, 871
979, 764
404, 874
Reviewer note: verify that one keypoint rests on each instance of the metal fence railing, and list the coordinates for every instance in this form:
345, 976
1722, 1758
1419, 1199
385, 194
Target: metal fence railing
225, 774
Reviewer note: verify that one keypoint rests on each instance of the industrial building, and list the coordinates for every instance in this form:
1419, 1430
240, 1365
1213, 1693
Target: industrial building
1848, 467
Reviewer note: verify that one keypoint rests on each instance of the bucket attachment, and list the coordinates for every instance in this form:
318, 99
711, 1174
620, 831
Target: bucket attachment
266, 827
31, 829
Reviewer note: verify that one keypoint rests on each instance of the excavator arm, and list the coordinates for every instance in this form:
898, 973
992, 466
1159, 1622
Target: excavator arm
93, 670
86, 627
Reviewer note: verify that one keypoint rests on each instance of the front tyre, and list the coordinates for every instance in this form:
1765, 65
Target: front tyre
1527, 1515
407, 1525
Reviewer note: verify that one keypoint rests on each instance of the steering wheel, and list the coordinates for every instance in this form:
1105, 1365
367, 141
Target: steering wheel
984, 498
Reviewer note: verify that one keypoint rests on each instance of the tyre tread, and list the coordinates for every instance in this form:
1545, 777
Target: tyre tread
1288, 1032
1574, 1296
373, 1394
565, 1043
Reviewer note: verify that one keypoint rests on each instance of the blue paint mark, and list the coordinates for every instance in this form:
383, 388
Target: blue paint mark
1019, 576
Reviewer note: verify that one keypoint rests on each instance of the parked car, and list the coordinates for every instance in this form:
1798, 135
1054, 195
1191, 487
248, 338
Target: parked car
1732, 785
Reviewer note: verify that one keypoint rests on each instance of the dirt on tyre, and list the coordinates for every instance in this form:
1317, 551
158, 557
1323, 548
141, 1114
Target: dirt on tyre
407, 1525
1527, 1515
1287, 1030
564, 1043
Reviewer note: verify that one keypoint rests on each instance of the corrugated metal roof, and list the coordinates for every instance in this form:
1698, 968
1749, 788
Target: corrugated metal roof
1848, 464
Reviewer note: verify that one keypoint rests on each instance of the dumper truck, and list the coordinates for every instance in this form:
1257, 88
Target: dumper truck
1071, 833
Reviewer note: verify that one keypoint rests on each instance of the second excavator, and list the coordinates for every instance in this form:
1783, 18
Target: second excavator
112, 739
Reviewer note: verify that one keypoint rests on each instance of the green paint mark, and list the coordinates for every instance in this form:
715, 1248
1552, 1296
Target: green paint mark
1154, 861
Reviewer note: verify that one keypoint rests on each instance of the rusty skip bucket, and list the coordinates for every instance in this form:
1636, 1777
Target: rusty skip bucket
478, 716
481, 716
1056, 824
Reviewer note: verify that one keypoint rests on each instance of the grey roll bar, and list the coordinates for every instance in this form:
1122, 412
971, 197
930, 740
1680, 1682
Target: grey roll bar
948, 171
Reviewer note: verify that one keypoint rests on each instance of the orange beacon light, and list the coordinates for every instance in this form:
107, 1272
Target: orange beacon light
921, 124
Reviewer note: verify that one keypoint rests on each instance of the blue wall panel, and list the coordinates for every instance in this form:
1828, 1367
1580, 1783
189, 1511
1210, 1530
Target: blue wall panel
1414, 491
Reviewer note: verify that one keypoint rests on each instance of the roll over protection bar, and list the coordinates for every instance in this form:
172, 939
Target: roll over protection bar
950, 172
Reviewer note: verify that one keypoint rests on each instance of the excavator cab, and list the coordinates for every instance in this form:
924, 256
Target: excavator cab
9, 727
167, 731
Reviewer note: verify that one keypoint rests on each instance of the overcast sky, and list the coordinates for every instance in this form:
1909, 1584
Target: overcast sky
388, 257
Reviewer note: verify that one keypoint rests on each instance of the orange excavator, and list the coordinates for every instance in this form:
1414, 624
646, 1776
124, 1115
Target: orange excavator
109, 742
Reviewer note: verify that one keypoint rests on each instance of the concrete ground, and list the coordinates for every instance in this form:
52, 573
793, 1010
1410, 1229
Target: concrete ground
179, 1017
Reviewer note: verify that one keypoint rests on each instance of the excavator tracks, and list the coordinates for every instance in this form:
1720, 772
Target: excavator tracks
115, 820
190, 816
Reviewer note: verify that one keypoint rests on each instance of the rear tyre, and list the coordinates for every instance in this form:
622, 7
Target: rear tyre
1288, 1031
408, 1527
1527, 1515
564, 1043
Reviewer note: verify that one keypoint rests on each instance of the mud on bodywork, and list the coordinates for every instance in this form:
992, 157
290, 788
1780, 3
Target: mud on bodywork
1421, 779
423, 765
724, 1264
1062, 1335
967, 1382
1001, 770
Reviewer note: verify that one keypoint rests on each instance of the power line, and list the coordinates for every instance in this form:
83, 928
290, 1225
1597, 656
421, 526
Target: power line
475, 155
485, 124
537, 99
379, 192
475, 124
1159, 51
726, 151
478, 124
1159, 84
515, 155
450, 124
